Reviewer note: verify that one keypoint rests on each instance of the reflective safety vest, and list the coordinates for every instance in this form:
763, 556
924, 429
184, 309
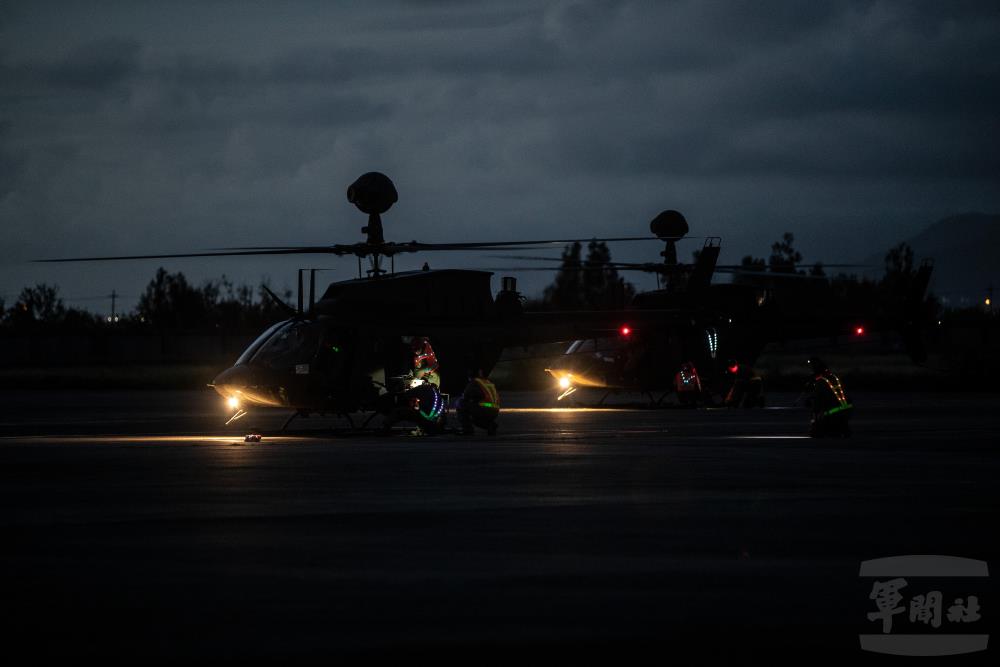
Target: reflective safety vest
687, 379
831, 382
488, 394
424, 359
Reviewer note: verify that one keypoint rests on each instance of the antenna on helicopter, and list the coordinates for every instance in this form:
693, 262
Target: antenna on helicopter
312, 292
299, 310
669, 226
373, 193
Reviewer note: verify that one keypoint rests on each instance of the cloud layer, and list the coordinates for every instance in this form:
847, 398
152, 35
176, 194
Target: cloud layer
126, 127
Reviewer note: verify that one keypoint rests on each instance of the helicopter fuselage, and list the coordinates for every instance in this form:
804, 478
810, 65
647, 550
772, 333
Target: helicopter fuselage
719, 324
345, 352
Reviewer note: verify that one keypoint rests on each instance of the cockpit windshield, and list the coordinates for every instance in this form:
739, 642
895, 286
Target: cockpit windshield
260, 340
295, 343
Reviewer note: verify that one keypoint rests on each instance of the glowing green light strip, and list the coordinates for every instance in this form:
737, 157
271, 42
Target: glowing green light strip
434, 412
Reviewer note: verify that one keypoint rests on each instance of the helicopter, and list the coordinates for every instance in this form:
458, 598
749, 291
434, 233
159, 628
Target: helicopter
710, 354
346, 352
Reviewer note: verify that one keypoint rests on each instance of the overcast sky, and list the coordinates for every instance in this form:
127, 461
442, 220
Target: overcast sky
178, 126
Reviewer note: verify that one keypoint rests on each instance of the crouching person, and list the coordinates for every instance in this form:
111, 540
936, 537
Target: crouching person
830, 406
479, 405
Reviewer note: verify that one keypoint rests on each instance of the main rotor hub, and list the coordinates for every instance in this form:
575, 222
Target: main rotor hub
669, 224
373, 193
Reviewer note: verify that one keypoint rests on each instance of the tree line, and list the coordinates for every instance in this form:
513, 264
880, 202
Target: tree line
169, 302
586, 283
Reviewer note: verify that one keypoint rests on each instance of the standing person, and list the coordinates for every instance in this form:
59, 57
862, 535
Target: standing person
831, 409
480, 404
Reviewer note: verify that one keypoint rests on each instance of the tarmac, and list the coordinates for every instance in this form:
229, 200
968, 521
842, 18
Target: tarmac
138, 528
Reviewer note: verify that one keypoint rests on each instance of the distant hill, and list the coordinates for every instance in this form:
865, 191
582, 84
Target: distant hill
966, 253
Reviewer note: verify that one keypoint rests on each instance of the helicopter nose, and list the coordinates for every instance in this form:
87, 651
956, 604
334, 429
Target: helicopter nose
241, 388
232, 381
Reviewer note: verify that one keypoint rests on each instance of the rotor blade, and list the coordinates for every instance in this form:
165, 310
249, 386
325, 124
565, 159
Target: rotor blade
500, 245
544, 268
527, 257
642, 266
771, 274
360, 249
656, 266
535, 258
413, 246
801, 266
334, 250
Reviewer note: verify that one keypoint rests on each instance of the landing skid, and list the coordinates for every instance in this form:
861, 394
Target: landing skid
355, 431
648, 401
387, 427
653, 401
350, 420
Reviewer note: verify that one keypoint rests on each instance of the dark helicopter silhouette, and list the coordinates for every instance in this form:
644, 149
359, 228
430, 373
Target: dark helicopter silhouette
703, 354
347, 351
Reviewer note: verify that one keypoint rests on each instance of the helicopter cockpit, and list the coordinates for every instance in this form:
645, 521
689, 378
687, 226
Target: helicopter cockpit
259, 342
293, 345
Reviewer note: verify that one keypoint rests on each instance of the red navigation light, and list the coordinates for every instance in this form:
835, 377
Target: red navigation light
626, 330
734, 369
859, 331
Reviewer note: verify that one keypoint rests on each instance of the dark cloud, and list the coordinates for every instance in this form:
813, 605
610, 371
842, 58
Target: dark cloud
11, 163
95, 65
125, 126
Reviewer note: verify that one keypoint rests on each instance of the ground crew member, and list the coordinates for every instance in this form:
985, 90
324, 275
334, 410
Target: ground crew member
480, 405
831, 409
687, 384
425, 363
747, 389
